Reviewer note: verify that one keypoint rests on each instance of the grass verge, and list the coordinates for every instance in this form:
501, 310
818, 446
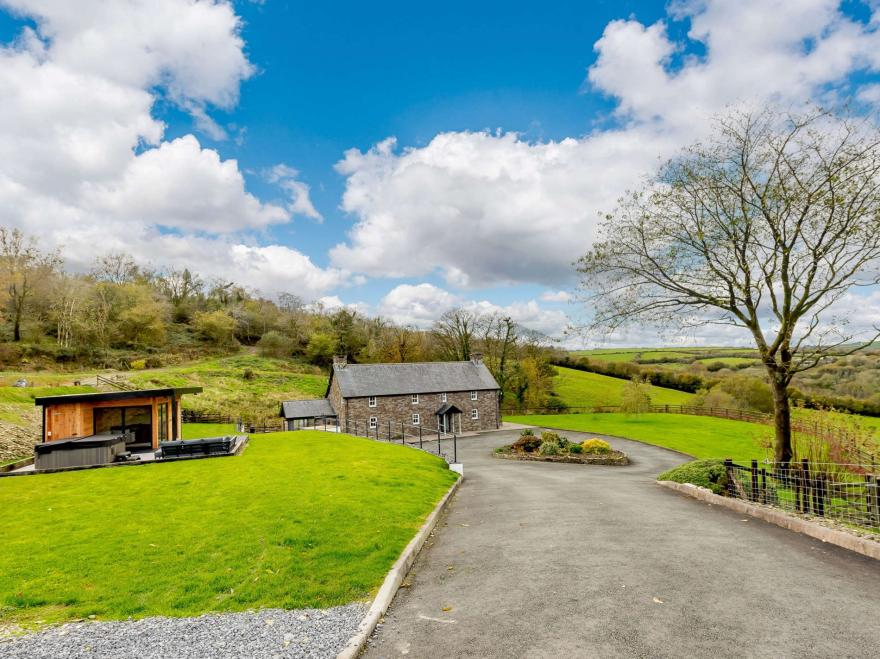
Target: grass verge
699, 436
306, 519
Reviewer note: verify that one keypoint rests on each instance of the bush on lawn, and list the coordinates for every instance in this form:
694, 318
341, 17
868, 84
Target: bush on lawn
704, 473
595, 446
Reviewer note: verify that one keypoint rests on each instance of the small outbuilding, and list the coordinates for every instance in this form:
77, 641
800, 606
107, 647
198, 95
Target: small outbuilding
144, 418
300, 414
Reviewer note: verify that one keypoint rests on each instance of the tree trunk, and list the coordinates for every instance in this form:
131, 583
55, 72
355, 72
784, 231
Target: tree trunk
16, 325
782, 420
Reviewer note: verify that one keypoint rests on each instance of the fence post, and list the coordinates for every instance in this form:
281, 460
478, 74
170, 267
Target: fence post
872, 499
402, 433
420, 437
805, 465
728, 467
763, 485
389, 431
754, 496
454, 448
819, 496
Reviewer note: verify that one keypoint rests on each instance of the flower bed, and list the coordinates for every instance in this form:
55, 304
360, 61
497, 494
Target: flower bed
551, 447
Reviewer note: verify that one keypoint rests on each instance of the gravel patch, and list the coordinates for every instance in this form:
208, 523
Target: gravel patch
303, 633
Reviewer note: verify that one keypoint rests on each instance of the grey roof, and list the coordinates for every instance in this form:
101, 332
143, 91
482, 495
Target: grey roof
306, 409
358, 380
447, 407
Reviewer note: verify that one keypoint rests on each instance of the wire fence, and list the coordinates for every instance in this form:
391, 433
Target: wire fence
844, 493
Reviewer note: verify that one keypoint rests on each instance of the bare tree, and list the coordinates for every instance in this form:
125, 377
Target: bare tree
454, 332
499, 338
23, 268
763, 227
115, 268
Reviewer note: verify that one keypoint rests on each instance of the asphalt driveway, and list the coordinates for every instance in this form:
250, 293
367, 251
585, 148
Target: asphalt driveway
556, 560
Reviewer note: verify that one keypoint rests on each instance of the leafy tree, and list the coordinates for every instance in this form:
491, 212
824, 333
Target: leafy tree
321, 348
636, 397
764, 227
216, 326
24, 269
275, 344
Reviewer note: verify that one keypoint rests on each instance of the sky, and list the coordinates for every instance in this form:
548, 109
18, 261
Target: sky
399, 158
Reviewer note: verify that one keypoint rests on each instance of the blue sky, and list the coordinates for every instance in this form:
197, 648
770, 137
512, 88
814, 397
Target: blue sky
250, 140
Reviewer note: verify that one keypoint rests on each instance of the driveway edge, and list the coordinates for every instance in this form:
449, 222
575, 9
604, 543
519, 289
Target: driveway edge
394, 578
854, 543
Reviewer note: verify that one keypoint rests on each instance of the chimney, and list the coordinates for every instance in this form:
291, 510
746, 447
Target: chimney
340, 360
477, 357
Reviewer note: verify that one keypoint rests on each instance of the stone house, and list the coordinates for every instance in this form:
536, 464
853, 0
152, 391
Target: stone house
451, 396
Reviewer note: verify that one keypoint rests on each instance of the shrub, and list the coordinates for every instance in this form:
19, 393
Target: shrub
595, 446
138, 364
248, 374
705, 473
153, 362
528, 432
549, 448
275, 344
527, 443
575, 448
550, 436
636, 397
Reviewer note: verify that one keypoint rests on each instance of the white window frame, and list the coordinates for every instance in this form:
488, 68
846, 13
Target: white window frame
415, 399
473, 395
475, 414
374, 423
416, 420
443, 397
371, 401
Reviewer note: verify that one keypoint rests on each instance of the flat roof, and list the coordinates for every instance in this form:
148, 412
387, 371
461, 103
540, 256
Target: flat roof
115, 395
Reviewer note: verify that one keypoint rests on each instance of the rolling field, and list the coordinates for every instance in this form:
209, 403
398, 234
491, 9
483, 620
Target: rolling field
582, 389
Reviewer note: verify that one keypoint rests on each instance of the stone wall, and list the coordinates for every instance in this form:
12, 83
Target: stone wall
399, 409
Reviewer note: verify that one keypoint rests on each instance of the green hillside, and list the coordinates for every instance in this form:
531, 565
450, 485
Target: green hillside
582, 389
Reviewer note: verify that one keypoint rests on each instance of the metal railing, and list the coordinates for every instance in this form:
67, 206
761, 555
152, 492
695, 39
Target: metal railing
421, 437
845, 493
117, 384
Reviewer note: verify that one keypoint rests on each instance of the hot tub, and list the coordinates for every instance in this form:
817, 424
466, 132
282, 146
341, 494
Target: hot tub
79, 452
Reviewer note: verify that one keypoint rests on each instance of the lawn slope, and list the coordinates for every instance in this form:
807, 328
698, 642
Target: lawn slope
699, 436
306, 519
583, 389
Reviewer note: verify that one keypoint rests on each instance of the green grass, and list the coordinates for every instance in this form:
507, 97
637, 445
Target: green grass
699, 436
17, 403
241, 385
200, 430
728, 361
305, 519
582, 389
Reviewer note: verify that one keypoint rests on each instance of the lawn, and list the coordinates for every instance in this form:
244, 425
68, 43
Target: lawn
699, 436
305, 519
582, 389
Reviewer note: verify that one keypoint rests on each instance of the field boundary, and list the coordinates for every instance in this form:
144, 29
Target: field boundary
852, 542
395, 577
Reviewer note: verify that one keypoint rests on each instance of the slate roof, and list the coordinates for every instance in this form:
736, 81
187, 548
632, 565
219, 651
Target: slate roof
307, 409
358, 380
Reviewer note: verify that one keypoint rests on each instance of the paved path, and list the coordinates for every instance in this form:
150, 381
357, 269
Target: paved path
556, 560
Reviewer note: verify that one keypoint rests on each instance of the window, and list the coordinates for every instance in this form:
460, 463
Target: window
371, 401
473, 395
443, 398
415, 399
374, 423
475, 413
416, 420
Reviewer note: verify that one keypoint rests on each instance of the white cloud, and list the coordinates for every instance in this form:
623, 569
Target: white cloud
82, 158
422, 304
331, 303
490, 208
300, 202
557, 296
